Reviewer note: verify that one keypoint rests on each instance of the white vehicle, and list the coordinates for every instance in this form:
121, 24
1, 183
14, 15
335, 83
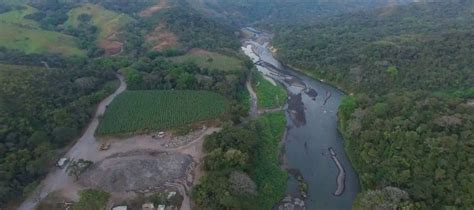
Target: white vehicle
62, 162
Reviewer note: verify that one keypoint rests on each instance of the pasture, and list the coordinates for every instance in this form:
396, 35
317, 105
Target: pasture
16, 17
23, 34
210, 60
32, 40
108, 22
154, 110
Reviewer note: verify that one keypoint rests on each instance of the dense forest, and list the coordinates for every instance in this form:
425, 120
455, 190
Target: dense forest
41, 111
197, 31
242, 166
431, 45
192, 28
409, 124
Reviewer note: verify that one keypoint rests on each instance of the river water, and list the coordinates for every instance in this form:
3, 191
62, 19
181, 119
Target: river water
314, 148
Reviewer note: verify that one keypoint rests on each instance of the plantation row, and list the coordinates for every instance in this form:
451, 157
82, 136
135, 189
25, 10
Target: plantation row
142, 111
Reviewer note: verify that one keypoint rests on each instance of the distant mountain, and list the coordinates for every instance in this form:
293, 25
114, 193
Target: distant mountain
242, 12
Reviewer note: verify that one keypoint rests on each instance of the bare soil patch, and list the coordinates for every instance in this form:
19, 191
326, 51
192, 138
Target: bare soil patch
137, 171
162, 4
161, 38
112, 45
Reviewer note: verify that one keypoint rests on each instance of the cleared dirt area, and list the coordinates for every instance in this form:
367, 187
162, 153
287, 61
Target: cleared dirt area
137, 171
112, 45
133, 166
161, 38
109, 24
162, 4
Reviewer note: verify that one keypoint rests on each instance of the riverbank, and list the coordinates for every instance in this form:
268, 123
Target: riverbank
312, 130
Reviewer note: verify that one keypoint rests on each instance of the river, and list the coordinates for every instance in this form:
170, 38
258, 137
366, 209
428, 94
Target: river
314, 148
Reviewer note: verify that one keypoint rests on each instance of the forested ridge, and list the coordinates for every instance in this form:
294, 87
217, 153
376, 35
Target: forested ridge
391, 48
410, 123
198, 31
276, 12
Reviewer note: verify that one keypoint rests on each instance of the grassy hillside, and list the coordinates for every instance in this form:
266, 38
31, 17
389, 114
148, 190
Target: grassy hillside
108, 22
37, 40
16, 17
145, 111
210, 60
26, 35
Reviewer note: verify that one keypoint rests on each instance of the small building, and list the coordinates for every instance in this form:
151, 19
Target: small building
120, 208
161, 207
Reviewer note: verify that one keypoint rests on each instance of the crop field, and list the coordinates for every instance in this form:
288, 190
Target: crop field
37, 41
153, 110
268, 95
108, 22
211, 60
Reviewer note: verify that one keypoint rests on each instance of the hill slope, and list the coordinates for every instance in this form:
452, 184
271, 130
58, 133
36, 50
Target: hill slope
25, 34
282, 11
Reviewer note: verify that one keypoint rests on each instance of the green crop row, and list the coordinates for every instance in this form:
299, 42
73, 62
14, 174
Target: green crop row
144, 111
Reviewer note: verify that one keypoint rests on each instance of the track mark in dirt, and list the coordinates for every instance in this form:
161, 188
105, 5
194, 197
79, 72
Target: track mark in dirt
162, 4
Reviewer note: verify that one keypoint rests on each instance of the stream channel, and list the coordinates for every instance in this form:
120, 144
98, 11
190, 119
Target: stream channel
314, 148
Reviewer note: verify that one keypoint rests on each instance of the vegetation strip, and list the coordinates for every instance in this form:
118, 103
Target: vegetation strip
243, 170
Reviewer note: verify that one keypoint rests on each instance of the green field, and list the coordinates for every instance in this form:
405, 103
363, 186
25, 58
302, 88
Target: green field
107, 21
210, 60
153, 110
25, 35
37, 41
16, 17
268, 95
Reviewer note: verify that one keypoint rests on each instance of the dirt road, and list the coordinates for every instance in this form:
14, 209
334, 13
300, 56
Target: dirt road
253, 100
85, 147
